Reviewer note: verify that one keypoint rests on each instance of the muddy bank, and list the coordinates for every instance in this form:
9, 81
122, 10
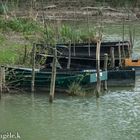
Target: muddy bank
52, 12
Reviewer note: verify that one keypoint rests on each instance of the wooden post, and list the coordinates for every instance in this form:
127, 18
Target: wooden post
112, 58
129, 50
120, 57
69, 58
123, 50
33, 68
98, 68
53, 77
105, 68
3, 78
0, 82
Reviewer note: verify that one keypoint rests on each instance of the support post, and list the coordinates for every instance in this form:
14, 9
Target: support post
105, 68
33, 68
3, 78
112, 58
120, 57
98, 86
129, 51
69, 58
0, 82
123, 50
53, 77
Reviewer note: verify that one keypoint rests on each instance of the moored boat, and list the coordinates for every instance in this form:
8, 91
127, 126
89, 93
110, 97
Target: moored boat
83, 54
121, 77
21, 77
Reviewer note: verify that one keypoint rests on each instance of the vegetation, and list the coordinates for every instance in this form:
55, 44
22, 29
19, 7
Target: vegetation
76, 90
31, 31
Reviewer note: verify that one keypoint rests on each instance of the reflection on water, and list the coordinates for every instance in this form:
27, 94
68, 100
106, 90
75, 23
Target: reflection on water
115, 115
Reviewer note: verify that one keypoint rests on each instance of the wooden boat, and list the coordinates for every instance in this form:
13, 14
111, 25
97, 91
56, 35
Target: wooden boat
82, 57
83, 54
21, 77
88, 50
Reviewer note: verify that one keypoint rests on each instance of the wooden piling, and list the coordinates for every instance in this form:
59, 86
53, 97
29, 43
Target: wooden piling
98, 86
3, 78
33, 68
53, 77
69, 58
112, 57
120, 57
105, 68
0, 82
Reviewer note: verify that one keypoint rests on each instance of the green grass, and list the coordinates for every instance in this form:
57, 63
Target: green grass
12, 53
20, 25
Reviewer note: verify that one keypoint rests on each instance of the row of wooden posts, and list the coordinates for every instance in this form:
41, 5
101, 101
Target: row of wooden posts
53, 77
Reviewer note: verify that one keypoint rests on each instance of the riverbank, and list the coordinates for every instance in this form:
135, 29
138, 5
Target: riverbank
54, 13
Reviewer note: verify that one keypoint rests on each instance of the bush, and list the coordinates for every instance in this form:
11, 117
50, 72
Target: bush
76, 90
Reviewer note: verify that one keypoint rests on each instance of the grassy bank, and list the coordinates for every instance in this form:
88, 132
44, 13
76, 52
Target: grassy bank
15, 34
18, 33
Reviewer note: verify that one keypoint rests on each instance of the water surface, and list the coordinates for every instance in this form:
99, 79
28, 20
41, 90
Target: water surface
114, 116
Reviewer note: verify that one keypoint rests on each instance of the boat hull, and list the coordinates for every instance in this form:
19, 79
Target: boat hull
22, 78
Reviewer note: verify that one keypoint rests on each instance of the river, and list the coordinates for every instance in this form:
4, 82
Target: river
114, 116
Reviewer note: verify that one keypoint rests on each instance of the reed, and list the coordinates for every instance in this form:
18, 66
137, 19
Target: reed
76, 90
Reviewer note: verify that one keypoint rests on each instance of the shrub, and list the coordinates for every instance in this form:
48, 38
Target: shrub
76, 90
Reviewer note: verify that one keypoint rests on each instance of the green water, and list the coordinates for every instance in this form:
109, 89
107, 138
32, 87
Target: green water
115, 116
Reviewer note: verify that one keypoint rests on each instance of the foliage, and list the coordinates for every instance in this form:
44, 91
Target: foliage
76, 90
34, 32
23, 25
66, 33
3, 9
49, 35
